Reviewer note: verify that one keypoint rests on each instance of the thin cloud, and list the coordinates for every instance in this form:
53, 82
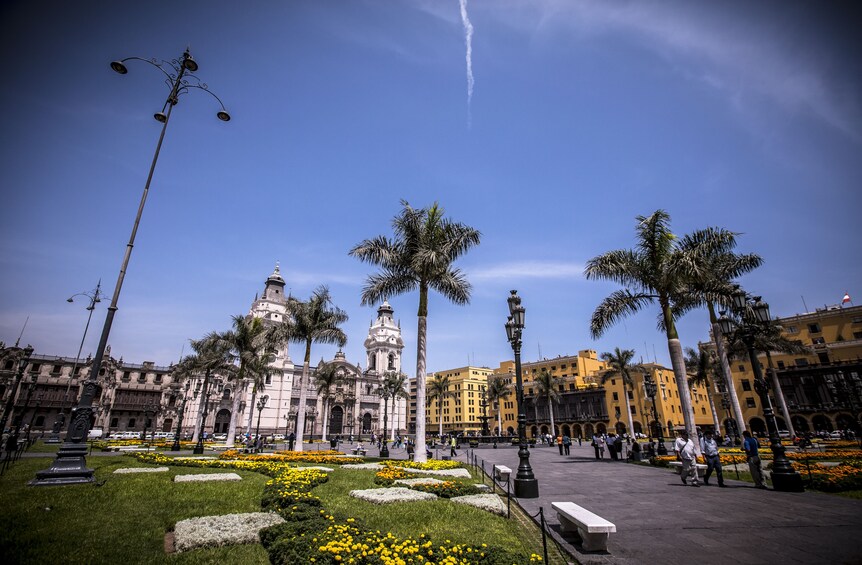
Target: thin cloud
468, 40
528, 269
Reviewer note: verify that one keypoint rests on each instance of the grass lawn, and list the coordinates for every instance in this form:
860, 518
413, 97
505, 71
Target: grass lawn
122, 521
123, 518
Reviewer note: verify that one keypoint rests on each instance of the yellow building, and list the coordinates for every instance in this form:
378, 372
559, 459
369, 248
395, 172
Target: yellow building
461, 407
587, 406
821, 389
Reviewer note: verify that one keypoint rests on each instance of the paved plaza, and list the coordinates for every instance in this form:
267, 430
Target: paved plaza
660, 520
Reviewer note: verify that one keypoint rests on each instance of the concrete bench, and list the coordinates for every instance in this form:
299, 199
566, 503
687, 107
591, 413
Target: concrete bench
358, 451
593, 529
502, 473
677, 468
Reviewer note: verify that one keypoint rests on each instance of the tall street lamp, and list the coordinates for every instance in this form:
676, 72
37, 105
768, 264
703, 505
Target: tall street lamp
747, 313
384, 394
23, 356
483, 404
526, 485
176, 445
94, 296
70, 465
150, 410
651, 390
261, 404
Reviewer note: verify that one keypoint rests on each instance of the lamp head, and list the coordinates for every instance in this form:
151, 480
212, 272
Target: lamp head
513, 300
761, 310
160, 117
510, 329
223, 115
725, 324
188, 62
738, 297
70, 299
119, 67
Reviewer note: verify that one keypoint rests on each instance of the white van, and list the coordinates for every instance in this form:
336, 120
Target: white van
95, 433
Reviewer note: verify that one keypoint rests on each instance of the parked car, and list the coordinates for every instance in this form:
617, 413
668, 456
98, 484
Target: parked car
219, 437
784, 433
835, 435
95, 433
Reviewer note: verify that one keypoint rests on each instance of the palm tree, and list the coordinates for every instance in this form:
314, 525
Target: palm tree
769, 338
660, 269
620, 366
546, 384
211, 356
248, 341
498, 390
325, 377
392, 387
314, 321
420, 256
700, 366
439, 389
259, 369
718, 266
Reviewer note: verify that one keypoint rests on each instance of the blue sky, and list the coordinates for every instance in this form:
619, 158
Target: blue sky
582, 116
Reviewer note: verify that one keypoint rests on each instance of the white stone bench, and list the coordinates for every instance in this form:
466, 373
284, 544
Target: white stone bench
593, 529
502, 473
358, 451
677, 468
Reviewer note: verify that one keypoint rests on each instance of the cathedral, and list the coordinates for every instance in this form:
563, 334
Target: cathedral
353, 405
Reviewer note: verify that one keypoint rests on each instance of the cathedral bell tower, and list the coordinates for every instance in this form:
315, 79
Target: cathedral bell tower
384, 344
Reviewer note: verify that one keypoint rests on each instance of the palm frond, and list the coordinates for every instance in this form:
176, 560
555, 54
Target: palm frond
615, 307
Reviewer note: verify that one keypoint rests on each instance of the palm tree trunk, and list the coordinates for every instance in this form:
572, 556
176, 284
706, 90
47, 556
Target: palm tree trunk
197, 429
779, 395
421, 337
718, 337
499, 419
440, 417
715, 420
551, 411
325, 419
234, 414
300, 412
631, 429
677, 361
249, 427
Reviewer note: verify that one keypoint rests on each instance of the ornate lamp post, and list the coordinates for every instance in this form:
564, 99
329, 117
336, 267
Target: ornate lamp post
176, 445
384, 447
150, 410
23, 360
483, 404
749, 311
526, 485
651, 390
261, 404
94, 296
70, 465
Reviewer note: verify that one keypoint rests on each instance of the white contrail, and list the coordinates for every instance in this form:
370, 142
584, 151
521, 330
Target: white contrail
468, 39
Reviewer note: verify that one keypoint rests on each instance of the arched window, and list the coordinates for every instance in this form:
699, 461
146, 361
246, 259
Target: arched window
391, 361
372, 361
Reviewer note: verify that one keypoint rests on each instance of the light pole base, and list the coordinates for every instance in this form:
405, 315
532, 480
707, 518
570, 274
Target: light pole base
787, 482
69, 468
198, 450
384, 451
662, 450
526, 488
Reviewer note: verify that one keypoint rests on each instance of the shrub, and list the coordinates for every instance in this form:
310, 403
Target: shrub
447, 489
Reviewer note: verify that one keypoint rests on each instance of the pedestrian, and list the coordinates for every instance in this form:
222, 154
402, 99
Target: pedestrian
685, 452
709, 447
560, 443
410, 450
567, 444
291, 439
579, 440
751, 447
612, 446
601, 442
595, 444
636, 450
453, 443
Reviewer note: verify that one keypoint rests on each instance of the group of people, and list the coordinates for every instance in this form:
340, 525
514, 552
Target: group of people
613, 443
686, 453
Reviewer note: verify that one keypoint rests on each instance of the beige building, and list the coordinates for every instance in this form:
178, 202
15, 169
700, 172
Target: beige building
462, 411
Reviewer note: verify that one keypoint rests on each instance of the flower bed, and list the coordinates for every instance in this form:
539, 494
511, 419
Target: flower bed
315, 457
392, 494
447, 489
214, 531
131, 470
207, 477
487, 502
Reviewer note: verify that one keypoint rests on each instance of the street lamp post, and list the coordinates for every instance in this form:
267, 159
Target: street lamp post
384, 447
261, 404
483, 404
70, 465
651, 391
95, 296
526, 485
23, 360
750, 311
150, 410
176, 445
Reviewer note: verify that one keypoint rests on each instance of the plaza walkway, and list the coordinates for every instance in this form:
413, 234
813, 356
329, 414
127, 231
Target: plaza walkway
661, 521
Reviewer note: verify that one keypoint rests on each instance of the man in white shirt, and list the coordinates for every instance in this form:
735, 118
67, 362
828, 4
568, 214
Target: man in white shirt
709, 447
685, 452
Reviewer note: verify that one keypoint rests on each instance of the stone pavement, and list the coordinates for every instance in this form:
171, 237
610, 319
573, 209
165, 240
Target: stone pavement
660, 520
